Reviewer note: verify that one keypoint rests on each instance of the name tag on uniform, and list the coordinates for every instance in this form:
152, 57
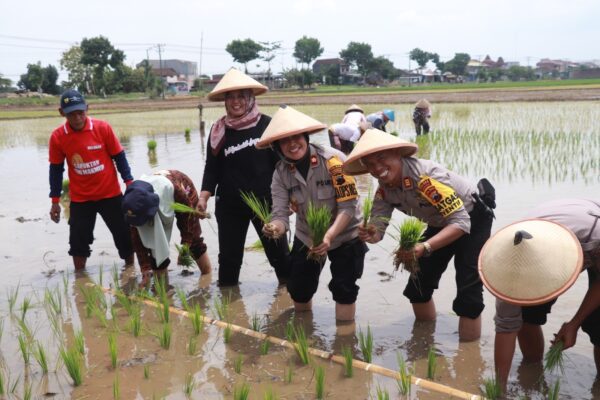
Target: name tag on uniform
344, 185
442, 197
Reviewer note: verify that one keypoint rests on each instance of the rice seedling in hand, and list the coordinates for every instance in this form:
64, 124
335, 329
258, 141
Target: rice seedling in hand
301, 345
73, 362
79, 342
116, 388
348, 359
492, 389
241, 392
185, 258
554, 391
24, 347
319, 382
39, 353
164, 336
404, 381
237, 364
112, 350
146, 371
256, 322
431, 363
192, 345
409, 234
185, 209
319, 221
554, 358
264, 347
227, 334
189, 385
366, 344
260, 208
382, 394
151, 145
367, 208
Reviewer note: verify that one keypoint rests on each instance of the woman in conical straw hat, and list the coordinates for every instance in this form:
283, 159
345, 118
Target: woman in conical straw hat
233, 164
421, 114
310, 175
458, 222
528, 264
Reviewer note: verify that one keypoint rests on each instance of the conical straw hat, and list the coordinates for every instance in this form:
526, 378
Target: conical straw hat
374, 141
235, 80
422, 104
354, 107
288, 122
540, 266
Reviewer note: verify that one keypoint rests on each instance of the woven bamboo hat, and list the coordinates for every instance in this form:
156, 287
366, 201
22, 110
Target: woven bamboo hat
354, 107
235, 80
530, 262
374, 141
288, 122
422, 104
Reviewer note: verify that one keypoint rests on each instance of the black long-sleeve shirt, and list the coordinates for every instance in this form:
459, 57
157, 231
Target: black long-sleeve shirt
239, 165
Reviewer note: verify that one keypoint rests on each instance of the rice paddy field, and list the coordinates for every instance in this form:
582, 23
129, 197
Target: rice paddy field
66, 335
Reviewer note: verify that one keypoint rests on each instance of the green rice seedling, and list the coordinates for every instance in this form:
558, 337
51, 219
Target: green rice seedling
116, 388
187, 131
289, 373
124, 301
348, 358
382, 394
256, 246
2, 384
24, 328
89, 296
164, 336
182, 299
554, 358
27, 391
24, 347
318, 220
227, 334
185, 255
12, 294
270, 394
260, 208
492, 389
366, 344
135, 320
264, 347
146, 371
53, 300
114, 316
221, 307
112, 350
319, 382
554, 391
237, 364
301, 345
256, 322
241, 392
73, 362
367, 208
404, 381
409, 234
185, 209
65, 281
101, 276
100, 314
79, 342
115, 277
151, 145
162, 299
197, 319
65, 187
39, 353
192, 345
12, 386
189, 385
431, 363
25, 306
289, 330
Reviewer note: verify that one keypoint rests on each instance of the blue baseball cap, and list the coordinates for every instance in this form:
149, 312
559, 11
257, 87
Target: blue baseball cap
140, 203
71, 100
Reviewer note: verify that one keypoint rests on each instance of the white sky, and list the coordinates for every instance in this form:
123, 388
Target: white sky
517, 30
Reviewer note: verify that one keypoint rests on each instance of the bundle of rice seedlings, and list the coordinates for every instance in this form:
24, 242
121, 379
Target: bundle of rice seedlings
367, 208
260, 208
73, 362
185, 209
408, 235
554, 358
318, 220
185, 255
151, 145
492, 389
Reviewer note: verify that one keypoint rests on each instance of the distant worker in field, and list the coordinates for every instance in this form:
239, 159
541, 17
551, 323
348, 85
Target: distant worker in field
147, 207
343, 135
379, 119
421, 114
91, 150
354, 115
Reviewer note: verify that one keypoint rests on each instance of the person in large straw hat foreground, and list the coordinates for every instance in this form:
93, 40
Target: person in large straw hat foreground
310, 175
458, 222
233, 165
528, 264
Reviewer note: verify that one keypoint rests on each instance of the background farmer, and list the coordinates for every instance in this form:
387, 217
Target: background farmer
379, 119
233, 164
457, 225
528, 264
147, 207
421, 114
91, 149
311, 174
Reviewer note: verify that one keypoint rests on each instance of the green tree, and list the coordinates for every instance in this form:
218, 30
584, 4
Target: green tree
359, 55
38, 78
244, 51
384, 67
458, 64
5, 84
332, 74
102, 56
307, 49
80, 75
423, 57
300, 77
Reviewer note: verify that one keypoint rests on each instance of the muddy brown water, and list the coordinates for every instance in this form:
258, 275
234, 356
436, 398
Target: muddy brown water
33, 253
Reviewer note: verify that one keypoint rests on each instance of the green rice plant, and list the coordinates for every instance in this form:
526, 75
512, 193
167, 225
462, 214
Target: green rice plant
256, 322
146, 371
73, 362
164, 336
185, 258
12, 386
135, 320
65, 187
260, 208
112, 350
192, 345
182, 296
185, 209
319, 382
162, 300
12, 294
318, 220
554, 391
197, 319
39, 353
264, 347
492, 389
24, 328
270, 394
114, 317
289, 330
124, 301
348, 359
367, 208
221, 307
187, 131
366, 344
79, 342
27, 391
301, 345
100, 314
408, 235
241, 392
431, 363
25, 306
2, 384
554, 358
55, 324
404, 380
382, 394
53, 301
227, 334
101, 276
65, 281
115, 277
189, 385
24, 347
89, 296
151, 145
237, 364
289, 373
116, 388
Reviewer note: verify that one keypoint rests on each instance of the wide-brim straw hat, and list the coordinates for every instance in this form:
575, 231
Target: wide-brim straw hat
354, 107
374, 141
530, 262
422, 104
288, 122
235, 80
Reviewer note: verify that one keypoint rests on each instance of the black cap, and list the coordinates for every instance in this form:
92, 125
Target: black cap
140, 203
71, 100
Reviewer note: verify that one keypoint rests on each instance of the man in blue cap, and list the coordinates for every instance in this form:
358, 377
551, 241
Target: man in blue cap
379, 119
91, 150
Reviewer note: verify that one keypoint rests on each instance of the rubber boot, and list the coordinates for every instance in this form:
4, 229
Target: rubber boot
79, 262
204, 264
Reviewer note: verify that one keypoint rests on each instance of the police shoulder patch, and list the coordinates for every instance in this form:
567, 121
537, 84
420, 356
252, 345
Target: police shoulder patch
344, 185
439, 195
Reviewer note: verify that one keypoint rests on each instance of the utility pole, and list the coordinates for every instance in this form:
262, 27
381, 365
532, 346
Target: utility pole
200, 63
162, 83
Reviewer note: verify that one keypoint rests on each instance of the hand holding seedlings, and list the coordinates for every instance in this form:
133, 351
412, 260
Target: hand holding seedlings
273, 230
321, 249
567, 335
369, 234
55, 212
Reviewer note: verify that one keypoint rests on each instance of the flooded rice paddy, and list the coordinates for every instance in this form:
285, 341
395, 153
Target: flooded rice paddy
531, 152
